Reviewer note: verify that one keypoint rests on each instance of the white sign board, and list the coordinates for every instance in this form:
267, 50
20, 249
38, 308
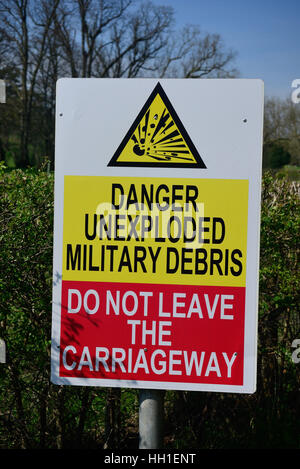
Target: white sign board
156, 237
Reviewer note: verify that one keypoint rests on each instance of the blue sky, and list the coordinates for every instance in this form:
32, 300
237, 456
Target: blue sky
265, 34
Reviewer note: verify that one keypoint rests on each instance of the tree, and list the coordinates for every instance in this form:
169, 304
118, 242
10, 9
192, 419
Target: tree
25, 25
9, 127
275, 156
192, 54
130, 38
110, 38
281, 128
49, 39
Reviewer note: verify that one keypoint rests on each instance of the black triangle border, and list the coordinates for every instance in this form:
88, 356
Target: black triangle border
158, 90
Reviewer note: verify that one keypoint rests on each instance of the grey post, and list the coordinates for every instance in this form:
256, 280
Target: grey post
2, 92
151, 408
2, 351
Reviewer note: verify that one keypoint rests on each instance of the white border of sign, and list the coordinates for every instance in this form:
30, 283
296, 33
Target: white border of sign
224, 118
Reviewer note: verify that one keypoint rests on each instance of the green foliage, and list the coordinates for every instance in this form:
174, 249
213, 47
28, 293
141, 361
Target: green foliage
268, 418
279, 245
292, 173
26, 207
36, 414
279, 321
275, 156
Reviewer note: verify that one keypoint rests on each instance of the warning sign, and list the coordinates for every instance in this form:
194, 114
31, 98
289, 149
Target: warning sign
157, 138
155, 252
130, 251
182, 231
152, 333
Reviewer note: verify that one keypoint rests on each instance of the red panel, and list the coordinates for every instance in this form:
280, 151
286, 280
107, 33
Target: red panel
201, 340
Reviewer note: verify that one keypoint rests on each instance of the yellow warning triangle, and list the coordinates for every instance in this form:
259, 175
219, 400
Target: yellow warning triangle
157, 138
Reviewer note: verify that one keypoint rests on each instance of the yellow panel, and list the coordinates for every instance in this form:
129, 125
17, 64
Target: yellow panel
164, 231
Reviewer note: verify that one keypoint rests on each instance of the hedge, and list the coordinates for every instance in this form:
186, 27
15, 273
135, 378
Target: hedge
34, 413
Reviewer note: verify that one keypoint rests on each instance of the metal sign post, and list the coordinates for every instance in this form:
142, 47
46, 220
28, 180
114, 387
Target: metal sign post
151, 411
2, 351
